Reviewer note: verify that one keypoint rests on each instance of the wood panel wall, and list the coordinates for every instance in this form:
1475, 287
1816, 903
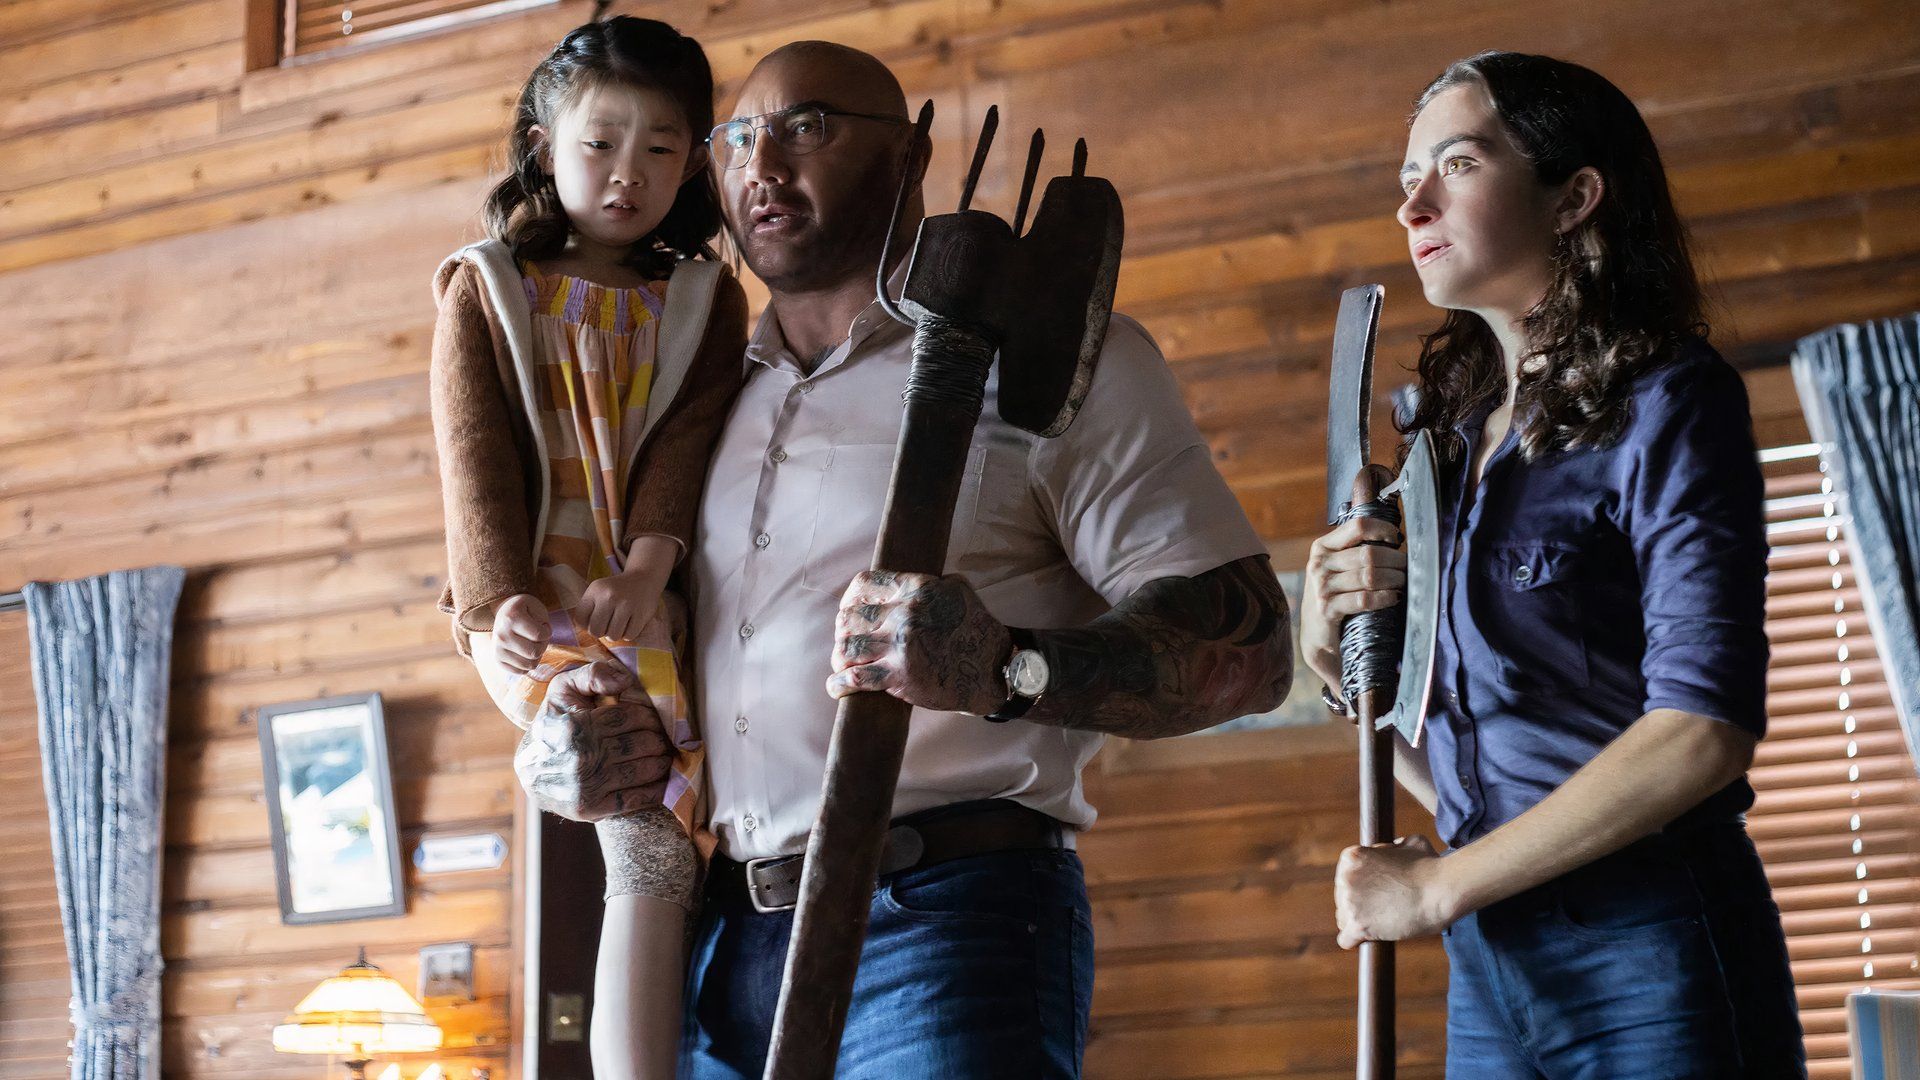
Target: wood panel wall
215, 289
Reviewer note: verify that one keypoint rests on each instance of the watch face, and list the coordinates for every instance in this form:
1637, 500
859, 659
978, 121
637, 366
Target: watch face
1028, 675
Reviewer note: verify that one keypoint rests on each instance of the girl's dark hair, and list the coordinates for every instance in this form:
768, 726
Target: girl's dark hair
1624, 295
523, 211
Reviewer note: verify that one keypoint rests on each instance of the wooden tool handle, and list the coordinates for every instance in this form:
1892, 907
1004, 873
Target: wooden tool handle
1376, 1019
836, 886
1365, 640
943, 400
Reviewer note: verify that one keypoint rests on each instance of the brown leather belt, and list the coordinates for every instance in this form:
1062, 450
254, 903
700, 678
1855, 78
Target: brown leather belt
915, 841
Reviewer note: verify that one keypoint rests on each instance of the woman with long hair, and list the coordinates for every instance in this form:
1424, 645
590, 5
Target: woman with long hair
1600, 674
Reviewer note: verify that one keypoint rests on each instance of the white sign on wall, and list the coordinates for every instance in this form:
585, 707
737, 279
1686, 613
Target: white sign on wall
446, 854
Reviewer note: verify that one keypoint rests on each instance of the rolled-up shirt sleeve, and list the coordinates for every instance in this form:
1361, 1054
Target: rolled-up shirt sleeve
1131, 486
1699, 537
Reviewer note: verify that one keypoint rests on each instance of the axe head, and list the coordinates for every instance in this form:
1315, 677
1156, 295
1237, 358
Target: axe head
1069, 263
1043, 298
1350, 394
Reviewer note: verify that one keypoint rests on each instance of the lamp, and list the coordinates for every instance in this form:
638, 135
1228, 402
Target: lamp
360, 1013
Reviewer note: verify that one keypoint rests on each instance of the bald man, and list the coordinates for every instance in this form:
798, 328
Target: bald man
1104, 582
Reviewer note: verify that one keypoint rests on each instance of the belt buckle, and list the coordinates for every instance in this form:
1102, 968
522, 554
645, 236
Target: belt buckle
753, 888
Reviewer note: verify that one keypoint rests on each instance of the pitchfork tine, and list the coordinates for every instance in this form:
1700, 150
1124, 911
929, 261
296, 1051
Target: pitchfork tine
1034, 150
980, 155
920, 128
1080, 158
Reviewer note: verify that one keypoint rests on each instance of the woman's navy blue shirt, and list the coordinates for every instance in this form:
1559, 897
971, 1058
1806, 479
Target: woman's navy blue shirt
1591, 586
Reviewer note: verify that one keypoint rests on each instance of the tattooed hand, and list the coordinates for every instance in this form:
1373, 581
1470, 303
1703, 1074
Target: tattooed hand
587, 757
926, 640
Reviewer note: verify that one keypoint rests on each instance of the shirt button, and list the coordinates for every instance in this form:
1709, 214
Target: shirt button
1523, 574
778, 455
746, 630
1466, 779
762, 540
740, 724
749, 823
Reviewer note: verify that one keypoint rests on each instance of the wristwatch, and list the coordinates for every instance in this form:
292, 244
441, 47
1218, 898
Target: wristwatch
1026, 676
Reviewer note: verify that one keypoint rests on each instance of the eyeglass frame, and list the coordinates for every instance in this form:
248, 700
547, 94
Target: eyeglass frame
754, 128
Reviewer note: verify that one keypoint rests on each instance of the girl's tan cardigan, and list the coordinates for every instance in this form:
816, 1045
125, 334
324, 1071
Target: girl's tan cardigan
493, 464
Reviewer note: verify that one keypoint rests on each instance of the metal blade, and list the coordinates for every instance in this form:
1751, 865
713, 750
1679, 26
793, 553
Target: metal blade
1350, 394
1420, 521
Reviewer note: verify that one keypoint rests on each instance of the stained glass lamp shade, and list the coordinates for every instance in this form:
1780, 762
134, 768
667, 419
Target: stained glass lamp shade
360, 1013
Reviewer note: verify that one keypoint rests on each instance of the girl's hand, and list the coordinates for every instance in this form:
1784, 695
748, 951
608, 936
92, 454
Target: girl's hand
618, 606
1347, 574
521, 632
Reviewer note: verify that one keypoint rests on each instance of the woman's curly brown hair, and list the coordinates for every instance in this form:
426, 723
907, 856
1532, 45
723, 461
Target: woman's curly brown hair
523, 211
1624, 295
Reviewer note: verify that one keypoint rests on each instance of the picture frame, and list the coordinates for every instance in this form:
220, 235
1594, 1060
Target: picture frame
329, 793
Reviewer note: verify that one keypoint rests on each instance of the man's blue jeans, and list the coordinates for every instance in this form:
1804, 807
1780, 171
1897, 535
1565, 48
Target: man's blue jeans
1663, 961
975, 969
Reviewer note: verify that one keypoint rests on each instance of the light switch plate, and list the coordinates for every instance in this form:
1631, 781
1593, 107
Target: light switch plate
446, 972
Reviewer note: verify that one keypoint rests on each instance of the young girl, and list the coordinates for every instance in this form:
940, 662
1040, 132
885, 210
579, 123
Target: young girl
1600, 675
584, 360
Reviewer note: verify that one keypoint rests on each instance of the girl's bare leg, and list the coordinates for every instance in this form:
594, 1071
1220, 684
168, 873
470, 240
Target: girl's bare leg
651, 874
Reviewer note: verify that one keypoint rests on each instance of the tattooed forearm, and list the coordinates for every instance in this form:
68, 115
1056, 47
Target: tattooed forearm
1178, 655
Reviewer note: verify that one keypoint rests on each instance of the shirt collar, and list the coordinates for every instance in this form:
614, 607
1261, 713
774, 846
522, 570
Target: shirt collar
767, 348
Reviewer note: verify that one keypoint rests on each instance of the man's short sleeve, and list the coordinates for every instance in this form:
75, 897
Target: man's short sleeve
1131, 485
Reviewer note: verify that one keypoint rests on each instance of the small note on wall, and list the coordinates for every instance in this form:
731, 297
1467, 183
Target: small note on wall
446, 854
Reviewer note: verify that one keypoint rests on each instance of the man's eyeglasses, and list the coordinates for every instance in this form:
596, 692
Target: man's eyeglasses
799, 130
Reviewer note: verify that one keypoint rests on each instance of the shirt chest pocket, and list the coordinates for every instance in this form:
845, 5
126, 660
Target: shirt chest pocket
1534, 624
847, 513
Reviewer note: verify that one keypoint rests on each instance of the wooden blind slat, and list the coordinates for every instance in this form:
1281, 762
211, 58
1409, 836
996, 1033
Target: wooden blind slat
1822, 699
1834, 796
1777, 825
1820, 601
1854, 673
1815, 651
1839, 746
1823, 626
1803, 544
1788, 728
1784, 579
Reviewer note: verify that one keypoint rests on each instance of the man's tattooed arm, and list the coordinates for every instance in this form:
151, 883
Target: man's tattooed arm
1180, 654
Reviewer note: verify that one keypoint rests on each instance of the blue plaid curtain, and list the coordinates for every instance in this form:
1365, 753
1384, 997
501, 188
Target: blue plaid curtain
101, 649
1860, 387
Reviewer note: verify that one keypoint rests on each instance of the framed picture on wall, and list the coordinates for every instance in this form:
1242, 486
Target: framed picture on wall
336, 843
